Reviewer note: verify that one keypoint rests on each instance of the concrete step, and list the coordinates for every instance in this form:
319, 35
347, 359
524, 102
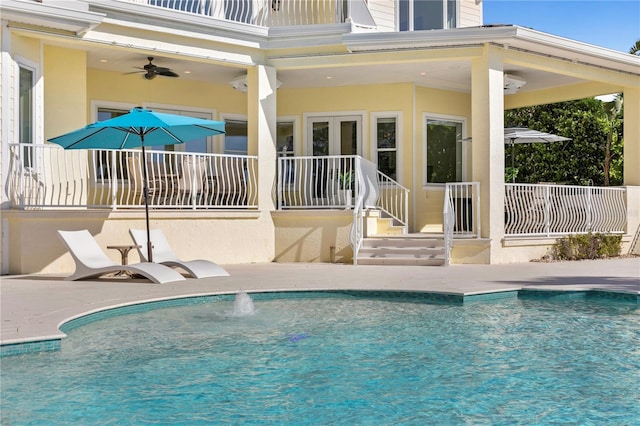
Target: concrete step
401, 242
399, 260
409, 249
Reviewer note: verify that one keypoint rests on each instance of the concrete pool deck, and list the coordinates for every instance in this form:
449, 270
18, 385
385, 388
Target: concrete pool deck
32, 307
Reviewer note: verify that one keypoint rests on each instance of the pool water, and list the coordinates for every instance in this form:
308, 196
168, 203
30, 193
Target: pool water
339, 360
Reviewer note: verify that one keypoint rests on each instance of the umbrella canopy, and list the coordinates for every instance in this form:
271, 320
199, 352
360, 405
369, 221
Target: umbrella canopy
138, 128
135, 129
516, 135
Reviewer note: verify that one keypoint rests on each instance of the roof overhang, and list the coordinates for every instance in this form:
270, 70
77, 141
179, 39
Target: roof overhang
507, 36
50, 15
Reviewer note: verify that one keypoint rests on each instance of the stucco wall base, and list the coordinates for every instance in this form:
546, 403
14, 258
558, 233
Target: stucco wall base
526, 249
471, 251
223, 237
313, 236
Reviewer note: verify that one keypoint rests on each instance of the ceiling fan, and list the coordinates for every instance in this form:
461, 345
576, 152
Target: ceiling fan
151, 70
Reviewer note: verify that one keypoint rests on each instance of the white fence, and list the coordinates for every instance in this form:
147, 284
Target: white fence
46, 176
547, 210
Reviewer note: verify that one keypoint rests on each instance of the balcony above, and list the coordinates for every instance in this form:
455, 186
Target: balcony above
272, 13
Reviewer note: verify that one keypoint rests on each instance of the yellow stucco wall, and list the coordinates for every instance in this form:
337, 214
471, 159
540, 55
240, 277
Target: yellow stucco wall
220, 237
26, 47
313, 236
429, 199
65, 101
104, 86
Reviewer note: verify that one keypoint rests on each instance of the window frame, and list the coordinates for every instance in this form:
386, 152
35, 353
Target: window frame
37, 105
375, 116
238, 118
411, 15
463, 147
294, 120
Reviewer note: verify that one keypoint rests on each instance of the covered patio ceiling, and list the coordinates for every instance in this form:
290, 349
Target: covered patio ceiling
447, 75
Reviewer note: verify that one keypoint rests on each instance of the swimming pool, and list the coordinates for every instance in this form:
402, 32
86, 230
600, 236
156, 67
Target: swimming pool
340, 359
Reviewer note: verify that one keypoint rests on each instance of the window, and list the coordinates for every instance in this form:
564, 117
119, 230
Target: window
236, 137
284, 138
415, 15
444, 150
386, 145
103, 166
284, 147
26, 113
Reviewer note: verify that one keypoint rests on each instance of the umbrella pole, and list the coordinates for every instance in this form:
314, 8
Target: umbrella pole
146, 201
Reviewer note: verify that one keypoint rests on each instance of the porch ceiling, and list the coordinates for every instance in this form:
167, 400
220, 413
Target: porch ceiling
447, 75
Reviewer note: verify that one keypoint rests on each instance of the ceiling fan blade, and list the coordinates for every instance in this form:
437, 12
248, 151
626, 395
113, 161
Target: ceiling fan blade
151, 71
167, 73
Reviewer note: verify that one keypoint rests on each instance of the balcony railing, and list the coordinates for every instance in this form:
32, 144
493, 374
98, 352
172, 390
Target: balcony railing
547, 210
46, 176
264, 13
275, 13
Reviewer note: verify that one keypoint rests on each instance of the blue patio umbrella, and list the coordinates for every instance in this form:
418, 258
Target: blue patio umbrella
138, 127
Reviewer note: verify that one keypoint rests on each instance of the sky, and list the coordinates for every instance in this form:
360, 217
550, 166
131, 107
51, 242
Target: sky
614, 24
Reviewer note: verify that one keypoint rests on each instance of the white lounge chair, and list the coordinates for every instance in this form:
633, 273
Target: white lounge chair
163, 254
92, 262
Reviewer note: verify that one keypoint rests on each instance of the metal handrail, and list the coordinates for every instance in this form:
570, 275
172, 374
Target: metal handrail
357, 226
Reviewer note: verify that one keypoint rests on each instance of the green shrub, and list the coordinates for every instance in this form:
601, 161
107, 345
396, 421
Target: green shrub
587, 246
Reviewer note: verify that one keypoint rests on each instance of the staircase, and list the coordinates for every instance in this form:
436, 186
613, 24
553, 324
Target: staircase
389, 245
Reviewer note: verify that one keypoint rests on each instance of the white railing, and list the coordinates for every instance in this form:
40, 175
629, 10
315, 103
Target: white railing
316, 182
461, 213
265, 13
46, 176
356, 236
448, 220
340, 182
547, 210
464, 205
393, 199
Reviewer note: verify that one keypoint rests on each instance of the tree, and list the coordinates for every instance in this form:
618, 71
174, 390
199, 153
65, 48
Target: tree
580, 161
635, 49
612, 121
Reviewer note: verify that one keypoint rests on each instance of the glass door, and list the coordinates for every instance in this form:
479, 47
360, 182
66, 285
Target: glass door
333, 138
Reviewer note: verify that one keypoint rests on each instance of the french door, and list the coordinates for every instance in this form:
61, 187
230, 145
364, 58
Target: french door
340, 135
333, 137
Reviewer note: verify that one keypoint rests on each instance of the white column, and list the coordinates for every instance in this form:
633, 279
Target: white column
262, 123
631, 136
261, 98
487, 117
7, 112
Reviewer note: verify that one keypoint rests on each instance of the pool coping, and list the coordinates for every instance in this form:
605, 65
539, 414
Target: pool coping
54, 342
33, 308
